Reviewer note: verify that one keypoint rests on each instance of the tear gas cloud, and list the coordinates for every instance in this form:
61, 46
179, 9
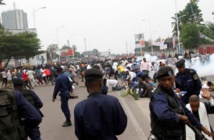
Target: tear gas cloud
203, 69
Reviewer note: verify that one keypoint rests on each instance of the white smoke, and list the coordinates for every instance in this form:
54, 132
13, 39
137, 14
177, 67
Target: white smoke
150, 58
203, 69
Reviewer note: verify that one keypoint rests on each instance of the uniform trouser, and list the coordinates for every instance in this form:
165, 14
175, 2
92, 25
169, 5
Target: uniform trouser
33, 132
64, 107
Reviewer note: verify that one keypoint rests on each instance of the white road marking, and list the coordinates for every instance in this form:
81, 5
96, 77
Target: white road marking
134, 121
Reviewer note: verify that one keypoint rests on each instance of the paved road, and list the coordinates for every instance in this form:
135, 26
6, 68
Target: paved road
51, 129
137, 111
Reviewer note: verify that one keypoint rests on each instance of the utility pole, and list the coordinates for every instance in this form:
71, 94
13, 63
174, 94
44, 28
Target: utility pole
34, 15
126, 48
85, 44
178, 32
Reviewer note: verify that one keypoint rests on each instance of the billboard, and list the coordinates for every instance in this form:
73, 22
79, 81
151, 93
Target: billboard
67, 52
139, 40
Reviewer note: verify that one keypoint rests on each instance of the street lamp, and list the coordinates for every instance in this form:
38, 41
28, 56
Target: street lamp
178, 31
34, 15
150, 30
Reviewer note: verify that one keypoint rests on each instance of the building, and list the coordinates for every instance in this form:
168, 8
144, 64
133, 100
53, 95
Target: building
16, 31
14, 19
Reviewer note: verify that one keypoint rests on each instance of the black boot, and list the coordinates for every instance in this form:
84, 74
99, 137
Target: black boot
67, 123
73, 97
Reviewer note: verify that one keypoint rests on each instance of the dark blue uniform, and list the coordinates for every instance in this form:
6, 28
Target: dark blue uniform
64, 86
189, 82
104, 90
100, 117
165, 118
68, 74
140, 74
30, 116
33, 131
29, 113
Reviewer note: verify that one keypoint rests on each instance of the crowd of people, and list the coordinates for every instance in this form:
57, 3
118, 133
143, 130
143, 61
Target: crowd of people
174, 96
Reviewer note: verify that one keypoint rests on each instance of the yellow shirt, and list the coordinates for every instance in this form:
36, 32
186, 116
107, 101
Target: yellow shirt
120, 68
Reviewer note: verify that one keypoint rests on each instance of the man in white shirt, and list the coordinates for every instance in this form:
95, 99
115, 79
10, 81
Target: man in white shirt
115, 85
30, 74
9, 78
154, 69
200, 110
130, 75
145, 66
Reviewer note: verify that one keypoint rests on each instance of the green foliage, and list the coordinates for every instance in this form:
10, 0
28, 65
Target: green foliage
52, 47
210, 29
190, 14
95, 52
190, 36
65, 47
21, 45
133, 93
77, 54
74, 47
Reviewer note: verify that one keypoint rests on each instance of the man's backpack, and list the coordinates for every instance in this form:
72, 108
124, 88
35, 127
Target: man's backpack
10, 127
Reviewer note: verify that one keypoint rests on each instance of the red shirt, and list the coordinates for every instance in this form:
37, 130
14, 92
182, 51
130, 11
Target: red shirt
47, 72
25, 77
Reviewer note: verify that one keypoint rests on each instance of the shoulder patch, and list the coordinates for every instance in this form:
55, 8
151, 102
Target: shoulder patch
191, 71
195, 77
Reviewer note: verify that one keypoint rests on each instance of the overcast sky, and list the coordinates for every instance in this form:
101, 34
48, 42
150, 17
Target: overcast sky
106, 24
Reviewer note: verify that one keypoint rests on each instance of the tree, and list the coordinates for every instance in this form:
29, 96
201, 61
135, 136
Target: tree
207, 33
21, 45
95, 52
190, 14
174, 24
51, 51
77, 54
190, 36
65, 47
74, 47
210, 27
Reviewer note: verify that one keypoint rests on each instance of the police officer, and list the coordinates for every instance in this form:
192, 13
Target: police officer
23, 114
100, 117
168, 114
187, 80
64, 86
31, 131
